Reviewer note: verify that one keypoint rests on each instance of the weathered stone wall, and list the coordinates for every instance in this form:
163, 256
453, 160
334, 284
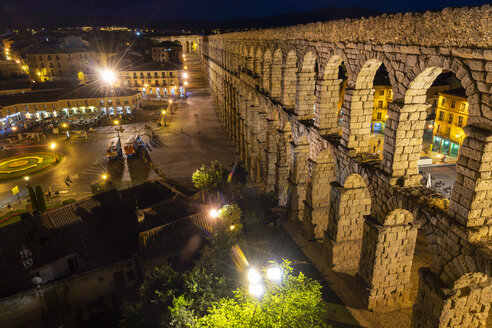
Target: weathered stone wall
288, 126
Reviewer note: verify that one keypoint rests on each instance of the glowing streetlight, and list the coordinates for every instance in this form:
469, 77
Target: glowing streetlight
108, 76
184, 55
26, 178
14, 128
116, 122
256, 289
104, 177
430, 126
185, 83
232, 227
186, 67
64, 125
274, 273
170, 101
254, 276
163, 112
53, 145
213, 213
185, 75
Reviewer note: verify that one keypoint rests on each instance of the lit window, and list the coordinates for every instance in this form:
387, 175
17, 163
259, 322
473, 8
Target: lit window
381, 92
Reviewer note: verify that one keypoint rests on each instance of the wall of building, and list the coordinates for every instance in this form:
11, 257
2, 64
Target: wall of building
75, 293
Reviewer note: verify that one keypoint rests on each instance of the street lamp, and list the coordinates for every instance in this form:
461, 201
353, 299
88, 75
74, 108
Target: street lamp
116, 122
274, 273
185, 75
104, 177
53, 145
255, 286
108, 76
213, 213
185, 83
26, 178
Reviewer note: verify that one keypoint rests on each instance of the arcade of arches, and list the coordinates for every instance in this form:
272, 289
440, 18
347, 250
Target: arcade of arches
277, 92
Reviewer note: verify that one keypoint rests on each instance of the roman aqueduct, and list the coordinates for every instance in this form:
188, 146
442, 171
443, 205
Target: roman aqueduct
276, 92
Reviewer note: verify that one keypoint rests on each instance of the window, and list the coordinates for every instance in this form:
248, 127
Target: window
448, 129
171, 74
68, 103
110, 102
155, 74
163, 82
441, 115
86, 102
463, 106
443, 101
450, 118
453, 104
101, 102
381, 92
58, 65
49, 57
156, 82
134, 75
126, 101
40, 57
438, 129
118, 101
379, 115
434, 103
163, 74
380, 104
460, 120
57, 57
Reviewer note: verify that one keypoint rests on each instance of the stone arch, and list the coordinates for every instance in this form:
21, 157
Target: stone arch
318, 188
329, 94
298, 169
271, 150
343, 240
289, 80
276, 74
306, 87
358, 107
266, 71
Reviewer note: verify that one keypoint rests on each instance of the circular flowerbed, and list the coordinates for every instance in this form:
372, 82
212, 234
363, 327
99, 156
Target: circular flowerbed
14, 167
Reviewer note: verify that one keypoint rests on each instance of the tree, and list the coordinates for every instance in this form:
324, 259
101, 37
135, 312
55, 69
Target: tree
40, 199
156, 296
32, 198
293, 302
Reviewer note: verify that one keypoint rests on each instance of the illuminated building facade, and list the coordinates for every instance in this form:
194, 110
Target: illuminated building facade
167, 51
383, 95
154, 79
21, 110
451, 117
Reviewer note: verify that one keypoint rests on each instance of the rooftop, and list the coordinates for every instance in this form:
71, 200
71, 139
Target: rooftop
154, 66
458, 92
167, 44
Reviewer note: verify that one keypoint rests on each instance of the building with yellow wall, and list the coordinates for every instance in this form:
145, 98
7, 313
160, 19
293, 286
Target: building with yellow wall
47, 64
383, 95
154, 79
451, 117
21, 110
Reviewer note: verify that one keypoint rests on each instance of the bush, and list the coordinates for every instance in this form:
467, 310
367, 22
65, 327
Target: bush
40, 199
294, 302
32, 198
68, 201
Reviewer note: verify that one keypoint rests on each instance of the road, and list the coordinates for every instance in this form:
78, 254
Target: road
192, 137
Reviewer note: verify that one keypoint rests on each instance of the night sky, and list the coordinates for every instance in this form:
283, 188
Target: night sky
202, 10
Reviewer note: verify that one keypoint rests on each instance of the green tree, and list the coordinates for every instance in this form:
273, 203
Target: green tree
211, 178
40, 199
293, 302
32, 198
156, 296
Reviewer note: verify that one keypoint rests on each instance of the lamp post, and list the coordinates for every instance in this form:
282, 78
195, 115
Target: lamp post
164, 117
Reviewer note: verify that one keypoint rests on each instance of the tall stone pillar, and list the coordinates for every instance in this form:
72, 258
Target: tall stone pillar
297, 179
289, 87
305, 95
253, 142
327, 113
357, 115
343, 238
276, 81
386, 260
249, 64
402, 142
465, 304
271, 154
261, 139
282, 167
471, 200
